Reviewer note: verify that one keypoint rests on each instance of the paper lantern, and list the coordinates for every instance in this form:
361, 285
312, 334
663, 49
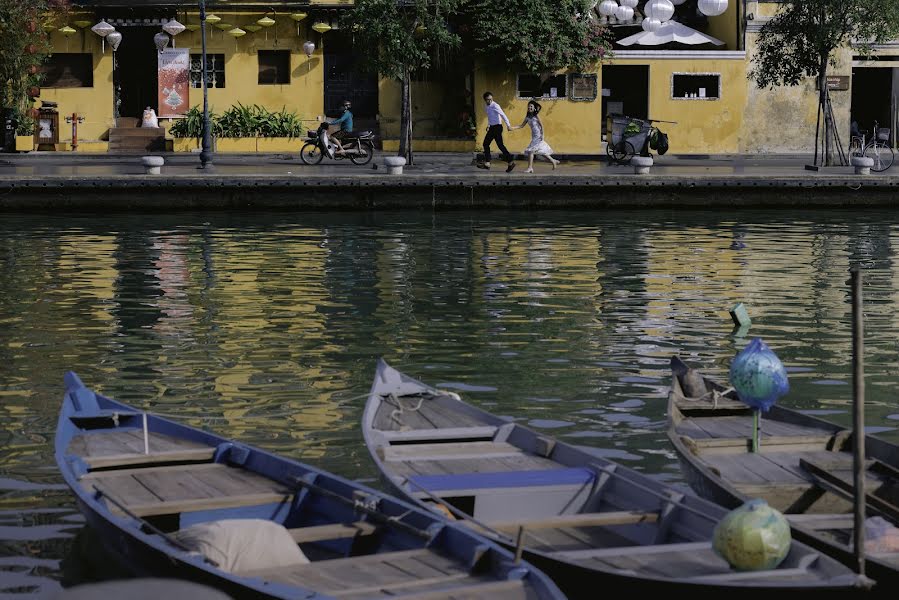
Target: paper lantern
298, 16
192, 27
67, 31
48, 27
321, 27
624, 13
651, 25
173, 27
212, 19
659, 9
677, 2
236, 33
114, 39
266, 21
82, 24
607, 8
161, 40
758, 376
252, 28
102, 29
753, 537
712, 8
308, 48
630, 3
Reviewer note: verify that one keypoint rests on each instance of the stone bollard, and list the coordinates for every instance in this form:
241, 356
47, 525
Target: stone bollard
152, 164
394, 164
641, 164
862, 164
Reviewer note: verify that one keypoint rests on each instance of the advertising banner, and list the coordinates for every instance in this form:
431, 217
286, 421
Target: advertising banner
174, 82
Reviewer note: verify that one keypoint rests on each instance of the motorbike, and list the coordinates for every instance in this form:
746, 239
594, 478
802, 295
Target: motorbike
359, 147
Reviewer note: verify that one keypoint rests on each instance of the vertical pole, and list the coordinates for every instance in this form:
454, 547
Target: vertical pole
146, 436
74, 132
206, 150
755, 429
858, 416
519, 544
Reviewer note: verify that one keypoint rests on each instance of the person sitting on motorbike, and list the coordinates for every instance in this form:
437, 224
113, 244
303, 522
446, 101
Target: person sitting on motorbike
346, 126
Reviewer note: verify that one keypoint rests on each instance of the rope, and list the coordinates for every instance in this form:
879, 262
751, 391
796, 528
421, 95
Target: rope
396, 413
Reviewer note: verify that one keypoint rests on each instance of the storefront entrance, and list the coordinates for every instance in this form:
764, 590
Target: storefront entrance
625, 91
135, 73
344, 80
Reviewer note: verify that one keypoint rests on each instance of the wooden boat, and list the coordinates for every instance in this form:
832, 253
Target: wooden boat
142, 481
582, 519
803, 467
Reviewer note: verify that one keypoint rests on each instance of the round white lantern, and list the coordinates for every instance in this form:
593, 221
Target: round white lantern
624, 13
630, 3
651, 25
712, 8
659, 9
607, 8
114, 39
677, 2
102, 29
161, 40
308, 48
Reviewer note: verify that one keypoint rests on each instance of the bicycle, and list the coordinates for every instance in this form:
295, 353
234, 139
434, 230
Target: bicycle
878, 148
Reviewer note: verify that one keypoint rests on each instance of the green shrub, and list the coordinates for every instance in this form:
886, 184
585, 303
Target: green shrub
241, 121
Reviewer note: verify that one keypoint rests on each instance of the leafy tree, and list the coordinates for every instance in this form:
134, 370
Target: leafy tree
397, 38
800, 41
23, 47
539, 35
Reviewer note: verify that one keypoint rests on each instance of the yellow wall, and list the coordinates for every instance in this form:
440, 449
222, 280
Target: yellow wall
304, 95
724, 26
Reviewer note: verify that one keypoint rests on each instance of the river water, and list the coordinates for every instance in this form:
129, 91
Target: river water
266, 328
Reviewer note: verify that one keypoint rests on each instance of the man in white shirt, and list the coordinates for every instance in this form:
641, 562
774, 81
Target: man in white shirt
495, 118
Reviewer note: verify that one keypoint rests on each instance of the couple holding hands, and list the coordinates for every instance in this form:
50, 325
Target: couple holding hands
537, 147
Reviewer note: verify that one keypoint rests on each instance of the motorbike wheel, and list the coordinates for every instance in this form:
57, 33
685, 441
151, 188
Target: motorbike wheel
363, 159
311, 154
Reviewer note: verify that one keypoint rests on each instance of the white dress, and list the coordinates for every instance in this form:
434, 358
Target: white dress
537, 145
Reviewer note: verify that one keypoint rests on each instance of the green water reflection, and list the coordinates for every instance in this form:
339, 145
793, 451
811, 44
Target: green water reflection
266, 327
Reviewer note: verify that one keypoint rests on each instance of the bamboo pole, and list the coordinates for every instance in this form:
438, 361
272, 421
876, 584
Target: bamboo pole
858, 417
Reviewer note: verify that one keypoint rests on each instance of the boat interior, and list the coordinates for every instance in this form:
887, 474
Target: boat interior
556, 499
359, 545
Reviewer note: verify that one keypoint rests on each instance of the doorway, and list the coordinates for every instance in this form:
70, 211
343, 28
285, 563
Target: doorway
873, 90
625, 91
344, 80
135, 76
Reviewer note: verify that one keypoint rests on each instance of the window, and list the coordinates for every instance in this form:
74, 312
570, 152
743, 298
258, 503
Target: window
695, 86
531, 86
274, 66
68, 70
215, 70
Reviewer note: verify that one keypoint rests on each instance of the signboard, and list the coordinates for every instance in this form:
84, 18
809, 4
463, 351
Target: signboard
174, 82
583, 87
838, 82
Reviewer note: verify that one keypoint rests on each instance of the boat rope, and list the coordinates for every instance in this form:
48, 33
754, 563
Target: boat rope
397, 413
715, 395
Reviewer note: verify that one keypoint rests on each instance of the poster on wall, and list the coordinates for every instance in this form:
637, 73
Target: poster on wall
174, 82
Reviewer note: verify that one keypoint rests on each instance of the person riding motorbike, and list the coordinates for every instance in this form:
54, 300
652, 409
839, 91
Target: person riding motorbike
346, 126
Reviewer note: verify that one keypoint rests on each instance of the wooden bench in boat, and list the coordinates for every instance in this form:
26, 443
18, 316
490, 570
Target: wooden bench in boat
336, 531
175, 489
771, 443
625, 517
125, 447
481, 433
459, 482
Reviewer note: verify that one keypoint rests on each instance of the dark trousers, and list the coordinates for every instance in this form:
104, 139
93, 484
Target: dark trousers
495, 132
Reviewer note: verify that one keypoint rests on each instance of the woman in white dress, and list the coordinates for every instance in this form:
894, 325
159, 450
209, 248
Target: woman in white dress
538, 146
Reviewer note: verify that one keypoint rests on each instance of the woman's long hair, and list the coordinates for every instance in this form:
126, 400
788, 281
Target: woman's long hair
536, 105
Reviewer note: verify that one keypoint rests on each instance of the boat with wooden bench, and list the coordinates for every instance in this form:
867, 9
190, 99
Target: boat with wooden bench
168, 500
584, 520
803, 466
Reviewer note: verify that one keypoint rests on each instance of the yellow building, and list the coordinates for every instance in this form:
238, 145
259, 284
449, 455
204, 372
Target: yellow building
701, 93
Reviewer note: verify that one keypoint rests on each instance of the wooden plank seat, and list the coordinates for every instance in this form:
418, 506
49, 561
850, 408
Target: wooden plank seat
456, 451
185, 488
125, 447
483, 433
383, 574
656, 550
504, 479
606, 519
335, 531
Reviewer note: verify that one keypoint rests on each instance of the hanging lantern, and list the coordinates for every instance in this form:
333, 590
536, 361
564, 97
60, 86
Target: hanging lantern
266, 21
659, 9
161, 40
308, 48
252, 28
103, 29
48, 27
236, 33
298, 16
67, 31
651, 25
82, 24
212, 19
321, 27
224, 26
419, 30
34, 92
677, 2
624, 13
192, 27
607, 8
173, 28
712, 8
629, 3
758, 376
114, 39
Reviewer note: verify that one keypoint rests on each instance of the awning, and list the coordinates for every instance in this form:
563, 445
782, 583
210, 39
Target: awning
670, 31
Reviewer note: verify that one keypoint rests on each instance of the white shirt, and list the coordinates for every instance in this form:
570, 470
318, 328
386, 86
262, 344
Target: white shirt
495, 115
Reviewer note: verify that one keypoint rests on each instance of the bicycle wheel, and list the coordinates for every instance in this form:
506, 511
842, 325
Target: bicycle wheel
882, 155
311, 154
629, 152
621, 150
363, 159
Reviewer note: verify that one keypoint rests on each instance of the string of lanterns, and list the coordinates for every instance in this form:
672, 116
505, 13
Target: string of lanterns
655, 12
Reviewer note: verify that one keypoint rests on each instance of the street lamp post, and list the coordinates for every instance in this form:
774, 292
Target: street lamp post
206, 151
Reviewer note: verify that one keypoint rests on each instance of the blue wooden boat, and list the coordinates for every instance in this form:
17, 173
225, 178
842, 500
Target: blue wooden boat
584, 520
150, 487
